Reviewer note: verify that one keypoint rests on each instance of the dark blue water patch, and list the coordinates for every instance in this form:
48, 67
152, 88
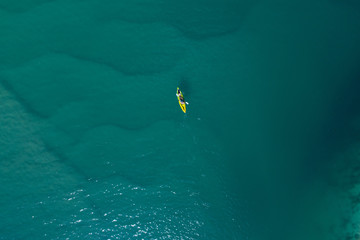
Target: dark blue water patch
336, 158
350, 3
338, 131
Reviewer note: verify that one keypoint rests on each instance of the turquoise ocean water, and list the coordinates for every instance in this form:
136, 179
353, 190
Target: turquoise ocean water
93, 144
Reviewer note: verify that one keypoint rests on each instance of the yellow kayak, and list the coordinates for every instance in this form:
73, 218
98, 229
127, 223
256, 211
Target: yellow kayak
182, 104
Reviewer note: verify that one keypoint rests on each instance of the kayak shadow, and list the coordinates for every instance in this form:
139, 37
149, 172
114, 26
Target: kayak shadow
185, 87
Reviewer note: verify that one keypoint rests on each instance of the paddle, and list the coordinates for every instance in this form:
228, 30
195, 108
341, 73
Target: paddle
185, 102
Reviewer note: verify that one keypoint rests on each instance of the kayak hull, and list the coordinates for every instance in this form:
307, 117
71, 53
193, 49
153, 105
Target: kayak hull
182, 105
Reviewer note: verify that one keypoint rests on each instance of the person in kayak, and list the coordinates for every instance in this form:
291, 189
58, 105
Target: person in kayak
180, 97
